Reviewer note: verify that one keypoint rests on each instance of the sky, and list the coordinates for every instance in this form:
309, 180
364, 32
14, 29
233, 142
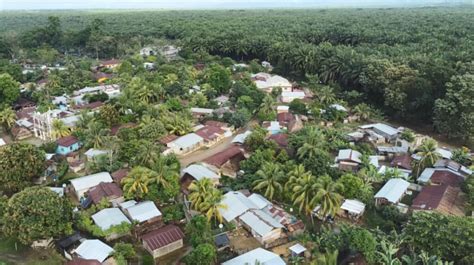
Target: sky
205, 4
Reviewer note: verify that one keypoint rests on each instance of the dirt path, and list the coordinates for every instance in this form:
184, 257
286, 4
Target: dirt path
205, 153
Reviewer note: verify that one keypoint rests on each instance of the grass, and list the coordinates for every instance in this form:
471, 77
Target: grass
48, 257
7, 245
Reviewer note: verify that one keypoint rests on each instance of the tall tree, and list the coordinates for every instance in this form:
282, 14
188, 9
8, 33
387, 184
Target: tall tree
270, 179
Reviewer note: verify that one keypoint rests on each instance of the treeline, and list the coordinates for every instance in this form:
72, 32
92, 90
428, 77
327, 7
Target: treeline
415, 64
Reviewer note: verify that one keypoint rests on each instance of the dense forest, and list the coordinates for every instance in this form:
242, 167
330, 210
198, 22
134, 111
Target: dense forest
414, 64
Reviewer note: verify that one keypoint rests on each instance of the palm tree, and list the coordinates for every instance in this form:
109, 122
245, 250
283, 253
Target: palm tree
212, 205
428, 155
96, 135
270, 180
314, 142
59, 129
370, 175
388, 254
326, 95
198, 192
328, 258
7, 118
136, 182
304, 189
147, 155
164, 170
363, 111
327, 196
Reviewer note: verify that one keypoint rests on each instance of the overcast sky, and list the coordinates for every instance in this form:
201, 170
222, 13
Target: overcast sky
194, 4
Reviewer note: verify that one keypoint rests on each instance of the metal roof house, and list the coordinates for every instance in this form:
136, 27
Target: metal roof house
198, 172
108, 217
162, 241
287, 97
260, 255
83, 184
353, 208
145, 211
93, 249
384, 130
391, 192
185, 144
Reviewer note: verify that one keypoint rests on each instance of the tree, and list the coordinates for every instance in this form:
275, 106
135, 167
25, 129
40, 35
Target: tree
109, 115
135, 184
9, 90
354, 187
423, 233
454, 114
388, 252
59, 129
19, 164
327, 196
199, 190
270, 179
328, 258
122, 252
364, 111
428, 155
408, 135
267, 111
96, 134
298, 107
37, 213
7, 118
213, 205
199, 231
302, 186
460, 155
204, 254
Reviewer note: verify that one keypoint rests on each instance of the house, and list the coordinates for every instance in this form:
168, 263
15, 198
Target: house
445, 153
89, 106
20, 133
281, 139
211, 135
391, 150
142, 212
201, 112
43, 122
443, 199
402, 161
76, 165
386, 131
392, 192
283, 109
441, 176
240, 138
256, 256
163, 241
338, 107
92, 153
289, 96
227, 162
196, 172
112, 91
348, 159
170, 52
185, 144
454, 166
109, 64
67, 145
267, 222
108, 217
353, 209
120, 174
273, 127
392, 170
82, 184
108, 191
285, 118
222, 125
267, 82
148, 51
93, 249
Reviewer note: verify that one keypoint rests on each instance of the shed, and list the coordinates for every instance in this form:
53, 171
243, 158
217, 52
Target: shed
92, 153
353, 208
186, 143
240, 138
198, 172
392, 191
94, 249
110, 191
297, 250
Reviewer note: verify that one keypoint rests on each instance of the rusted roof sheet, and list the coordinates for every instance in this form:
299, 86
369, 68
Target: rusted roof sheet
163, 236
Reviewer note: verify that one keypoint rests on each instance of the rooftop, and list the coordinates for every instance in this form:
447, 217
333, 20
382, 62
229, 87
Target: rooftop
118, 175
104, 190
441, 176
443, 198
349, 155
387, 129
143, 211
210, 132
67, 141
199, 172
90, 181
221, 158
109, 217
393, 190
94, 249
162, 237
260, 255
353, 206
188, 140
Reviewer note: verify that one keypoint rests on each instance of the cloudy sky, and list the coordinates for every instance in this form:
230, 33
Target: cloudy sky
194, 4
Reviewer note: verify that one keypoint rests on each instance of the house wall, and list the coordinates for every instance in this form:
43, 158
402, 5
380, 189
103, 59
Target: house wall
63, 150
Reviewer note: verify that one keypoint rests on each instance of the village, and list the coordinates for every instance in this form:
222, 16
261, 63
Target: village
248, 224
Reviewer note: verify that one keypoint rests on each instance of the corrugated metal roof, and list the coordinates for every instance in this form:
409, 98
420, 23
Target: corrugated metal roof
389, 130
200, 172
256, 224
109, 217
94, 249
260, 255
95, 152
297, 249
237, 204
188, 140
353, 206
143, 211
350, 155
90, 181
163, 236
393, 190
240, 138
260, 201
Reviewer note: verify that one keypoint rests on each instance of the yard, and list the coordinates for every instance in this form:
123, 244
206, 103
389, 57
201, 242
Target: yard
11, 253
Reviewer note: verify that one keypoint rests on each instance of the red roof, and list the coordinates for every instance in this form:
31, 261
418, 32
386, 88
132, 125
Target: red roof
79, 261
110, 62
285, 117
118, 175
429, 197
445, 177
162, 237
281, 139
218, 124
221, 158
403, 161
92, 105
168, 138
67, 141
210, 132
104, 190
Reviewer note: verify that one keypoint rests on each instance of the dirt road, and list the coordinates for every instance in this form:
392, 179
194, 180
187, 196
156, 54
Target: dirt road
205, 153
